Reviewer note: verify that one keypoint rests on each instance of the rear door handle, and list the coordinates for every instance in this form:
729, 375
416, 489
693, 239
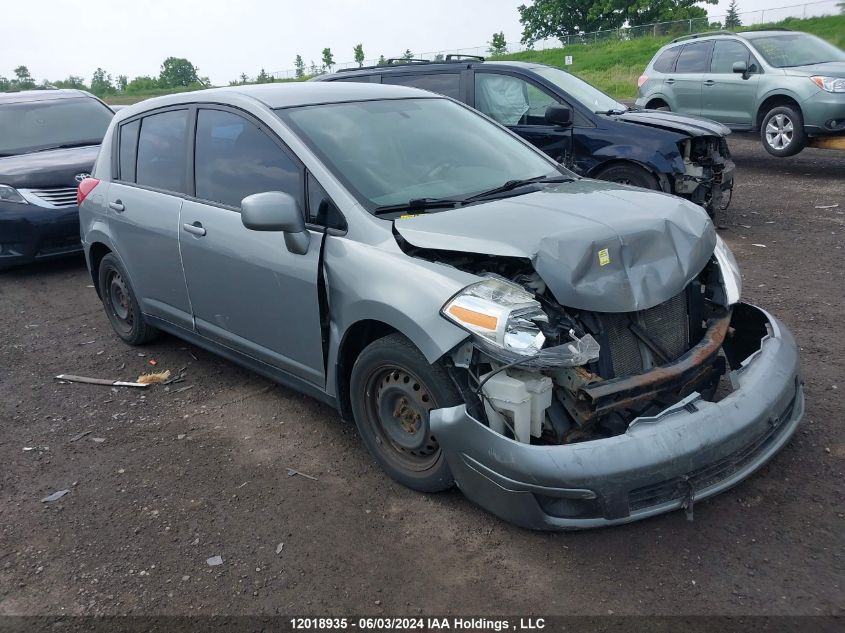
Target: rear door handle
709, 82
117, 205
670, 81
194, 229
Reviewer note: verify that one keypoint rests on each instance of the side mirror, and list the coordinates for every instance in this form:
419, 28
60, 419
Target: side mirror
557, 114
740, 68
276, 211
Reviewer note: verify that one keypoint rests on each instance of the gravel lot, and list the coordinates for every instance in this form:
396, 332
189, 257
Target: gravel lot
165, 479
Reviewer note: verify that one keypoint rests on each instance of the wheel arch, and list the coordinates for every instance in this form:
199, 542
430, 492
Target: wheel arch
659, 176
774, 101
654, 102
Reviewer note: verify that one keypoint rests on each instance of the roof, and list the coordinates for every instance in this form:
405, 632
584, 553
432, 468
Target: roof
426, 67
747, 35
284, 94
22, 96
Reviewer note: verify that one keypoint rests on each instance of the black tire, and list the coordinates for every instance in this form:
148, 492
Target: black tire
628, 174
121, 305
392, 389
782, 131
659, 105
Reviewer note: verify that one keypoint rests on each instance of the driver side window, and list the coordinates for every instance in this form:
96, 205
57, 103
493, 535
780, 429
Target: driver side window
511, 100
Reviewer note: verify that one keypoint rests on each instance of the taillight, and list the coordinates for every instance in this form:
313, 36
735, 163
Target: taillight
85, 187
642, 80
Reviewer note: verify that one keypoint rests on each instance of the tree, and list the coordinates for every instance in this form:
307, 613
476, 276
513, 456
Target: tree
143, 83
381, 61
178, 72
313, 70
407, 55
498, 45
122, 82
841, 6
101, 83
732, 20
5, 84
359, 54
24, 80
71, 82
263, 78
439, 57
641, 12
299, 65
328, 58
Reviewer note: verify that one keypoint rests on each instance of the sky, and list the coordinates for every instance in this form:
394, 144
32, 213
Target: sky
224, 38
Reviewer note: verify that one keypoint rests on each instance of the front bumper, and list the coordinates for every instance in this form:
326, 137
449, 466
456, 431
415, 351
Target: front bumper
691, 451
29, 233
824, 113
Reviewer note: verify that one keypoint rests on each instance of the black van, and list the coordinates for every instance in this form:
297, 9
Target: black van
577, 124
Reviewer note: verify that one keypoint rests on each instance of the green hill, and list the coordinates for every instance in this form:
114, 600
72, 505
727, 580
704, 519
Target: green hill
615, 66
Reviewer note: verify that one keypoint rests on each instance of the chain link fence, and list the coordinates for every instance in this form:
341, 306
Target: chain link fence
659, 29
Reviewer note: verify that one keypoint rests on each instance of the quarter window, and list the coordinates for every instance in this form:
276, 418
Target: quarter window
666, 60
442, 83
128, 150
725, 53
510, 100
234, 158
161, 151
695, 58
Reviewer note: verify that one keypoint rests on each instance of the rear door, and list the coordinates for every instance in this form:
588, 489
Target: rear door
144, 203
727, 96
248, 292
685, 81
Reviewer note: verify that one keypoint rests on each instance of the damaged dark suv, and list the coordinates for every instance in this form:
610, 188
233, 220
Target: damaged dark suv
578, 125
571, 353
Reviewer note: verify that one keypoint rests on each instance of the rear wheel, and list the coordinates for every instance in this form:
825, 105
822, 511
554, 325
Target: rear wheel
120, 303
782, 131
659, 105
628, 174
393, 388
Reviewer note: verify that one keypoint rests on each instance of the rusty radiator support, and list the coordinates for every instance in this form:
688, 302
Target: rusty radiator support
679, 378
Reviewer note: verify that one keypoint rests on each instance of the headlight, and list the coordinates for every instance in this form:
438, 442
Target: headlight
10, 194
830, 84
731, 278
500, 313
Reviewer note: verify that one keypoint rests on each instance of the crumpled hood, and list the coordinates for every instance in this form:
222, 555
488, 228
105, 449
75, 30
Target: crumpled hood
50, 168
682, 123
598, 246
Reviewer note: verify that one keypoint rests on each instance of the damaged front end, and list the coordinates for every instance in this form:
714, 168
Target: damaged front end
708, 177
556, 398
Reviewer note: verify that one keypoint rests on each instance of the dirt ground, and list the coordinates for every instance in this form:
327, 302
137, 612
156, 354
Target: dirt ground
166, 479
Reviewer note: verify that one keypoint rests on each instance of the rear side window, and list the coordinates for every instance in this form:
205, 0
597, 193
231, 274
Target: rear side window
448, 84
234, 158
161, 151
665, 62
695, 58
128, 150
725, 53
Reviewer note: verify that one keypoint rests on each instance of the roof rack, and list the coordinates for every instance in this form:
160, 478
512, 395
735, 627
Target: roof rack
393, 62
697, 35
774, 28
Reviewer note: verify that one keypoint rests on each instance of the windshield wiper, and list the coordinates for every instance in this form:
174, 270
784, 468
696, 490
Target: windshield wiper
418, 204
510, 185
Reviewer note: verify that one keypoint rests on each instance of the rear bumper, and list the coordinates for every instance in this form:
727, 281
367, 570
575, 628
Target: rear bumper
29, 233
692, 450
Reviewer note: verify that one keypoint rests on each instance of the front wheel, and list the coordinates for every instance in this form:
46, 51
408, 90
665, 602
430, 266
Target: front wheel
782, 131
628, 174
393, 388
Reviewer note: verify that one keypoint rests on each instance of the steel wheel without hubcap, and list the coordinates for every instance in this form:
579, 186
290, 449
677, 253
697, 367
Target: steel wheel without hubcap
779, 132
120, 302
397, 407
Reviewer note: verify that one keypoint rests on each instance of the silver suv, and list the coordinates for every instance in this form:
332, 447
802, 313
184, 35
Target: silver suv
551, 344
789, 86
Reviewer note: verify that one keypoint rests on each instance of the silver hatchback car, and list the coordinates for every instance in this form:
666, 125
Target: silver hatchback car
570, 353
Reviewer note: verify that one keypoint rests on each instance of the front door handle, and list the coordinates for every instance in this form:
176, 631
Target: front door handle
670, 81
194, 229
117, 205
709, 82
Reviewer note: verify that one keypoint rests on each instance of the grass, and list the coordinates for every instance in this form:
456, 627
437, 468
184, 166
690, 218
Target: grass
615, 66
610, 66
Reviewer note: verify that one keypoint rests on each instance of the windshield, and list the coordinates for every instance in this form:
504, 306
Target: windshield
580, 90
37, 125
393, 151
796, 49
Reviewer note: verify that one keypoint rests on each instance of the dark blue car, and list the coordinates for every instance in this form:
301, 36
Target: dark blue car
49, 140
578, 125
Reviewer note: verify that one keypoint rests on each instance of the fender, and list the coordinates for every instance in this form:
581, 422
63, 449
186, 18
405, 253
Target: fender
668, 161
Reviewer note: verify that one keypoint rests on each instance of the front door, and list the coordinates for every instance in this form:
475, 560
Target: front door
521, 106
726, 96
247, 290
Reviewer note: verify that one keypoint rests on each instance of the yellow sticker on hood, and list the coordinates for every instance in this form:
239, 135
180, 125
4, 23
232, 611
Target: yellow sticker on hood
604, 257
